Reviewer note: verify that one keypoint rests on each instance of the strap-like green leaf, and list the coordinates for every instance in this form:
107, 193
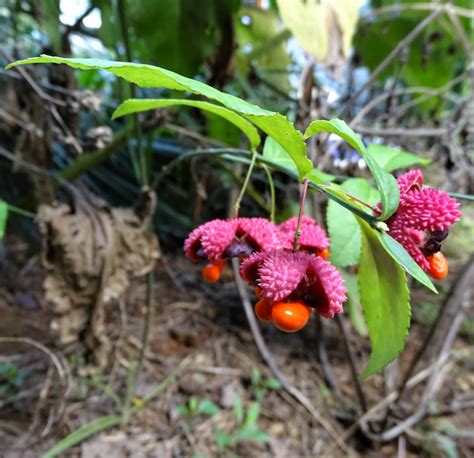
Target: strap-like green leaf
385, 298
84, 432
386, 183
3, 217
274, 124
139, 105
397, 252
391, 159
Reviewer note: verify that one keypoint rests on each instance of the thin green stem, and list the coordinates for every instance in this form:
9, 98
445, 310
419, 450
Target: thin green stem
272, 192
300, 213
461, 196
251, 192
355, 199
244, 186
20, 211
142, 172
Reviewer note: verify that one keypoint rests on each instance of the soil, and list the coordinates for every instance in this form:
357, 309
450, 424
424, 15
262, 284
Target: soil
200, 329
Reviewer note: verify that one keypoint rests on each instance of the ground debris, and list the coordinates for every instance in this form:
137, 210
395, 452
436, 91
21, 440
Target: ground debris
91, 251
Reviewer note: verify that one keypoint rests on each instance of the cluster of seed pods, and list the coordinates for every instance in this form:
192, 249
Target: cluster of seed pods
422, 221
292, 278
289, 283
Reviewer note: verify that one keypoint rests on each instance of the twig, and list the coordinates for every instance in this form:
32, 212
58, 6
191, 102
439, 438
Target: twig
458, 27
323, 356
28, 126
454, 300
78, 22
191, 134
415, 380
268, 358
402, 447
429, 6
39, 171
402, 132
39, 91
432, 387
133, 380
87, 161
39, 405
406, 90
351, 358
61, 367
53, 101
165, 170
393, 55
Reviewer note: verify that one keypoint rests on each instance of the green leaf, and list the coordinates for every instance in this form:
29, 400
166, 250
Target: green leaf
207, 407
3, 217
355, 310
309, 23
49, 19
252, 434
183, 410
344, 234
343, 228
84, 432
273, 124
397, 252
275, 153
256, 375
252, 414
221, 130
238, 409
193, 405
271, 383
385, 300
318, 177
386, 183
336, 192
139, 105
392, 159
223, 439
160, 37
263, 34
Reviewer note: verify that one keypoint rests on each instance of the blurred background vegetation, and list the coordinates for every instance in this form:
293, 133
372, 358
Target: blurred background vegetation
399, 72
418, 101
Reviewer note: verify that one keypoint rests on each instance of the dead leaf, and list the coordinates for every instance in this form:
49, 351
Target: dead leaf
91, 251
323, 28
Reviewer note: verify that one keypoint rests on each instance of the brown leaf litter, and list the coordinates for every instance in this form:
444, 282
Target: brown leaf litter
91, 252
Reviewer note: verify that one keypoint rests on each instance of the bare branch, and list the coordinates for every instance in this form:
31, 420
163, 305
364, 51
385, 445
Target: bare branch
403, 132
393, 55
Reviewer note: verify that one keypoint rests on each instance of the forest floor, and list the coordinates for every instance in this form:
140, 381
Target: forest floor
202, 330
